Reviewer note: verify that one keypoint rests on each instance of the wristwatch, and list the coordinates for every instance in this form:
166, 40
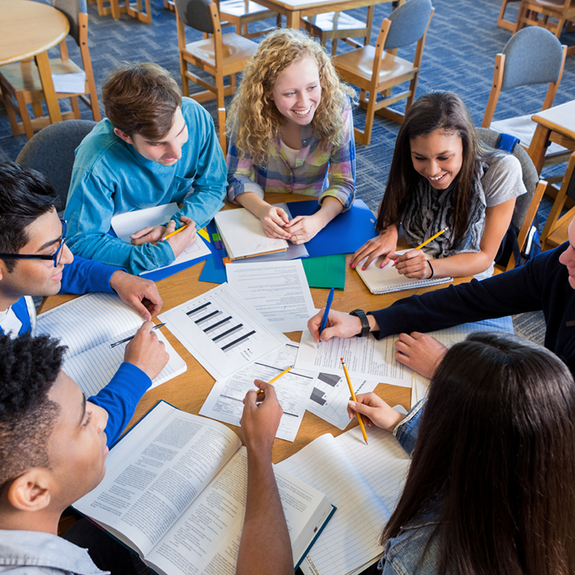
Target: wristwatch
364, 322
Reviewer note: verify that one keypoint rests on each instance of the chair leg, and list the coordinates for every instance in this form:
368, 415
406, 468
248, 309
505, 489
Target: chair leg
26, 122
221, 111
185, 83
334, 47
75, 107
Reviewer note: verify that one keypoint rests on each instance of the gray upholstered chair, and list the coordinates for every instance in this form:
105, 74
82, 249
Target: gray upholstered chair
20, 82
51, 151
526, 205
377, 69
532, 56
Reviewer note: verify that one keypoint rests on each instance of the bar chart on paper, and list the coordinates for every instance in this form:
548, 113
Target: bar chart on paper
222, 331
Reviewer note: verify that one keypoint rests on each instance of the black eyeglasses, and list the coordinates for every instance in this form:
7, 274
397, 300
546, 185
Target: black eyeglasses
56, 256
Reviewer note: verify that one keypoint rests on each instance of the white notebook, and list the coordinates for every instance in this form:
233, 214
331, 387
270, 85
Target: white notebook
388, 279
243, 235
88, 325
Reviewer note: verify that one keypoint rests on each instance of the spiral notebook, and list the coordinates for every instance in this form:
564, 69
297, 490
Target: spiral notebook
388, 279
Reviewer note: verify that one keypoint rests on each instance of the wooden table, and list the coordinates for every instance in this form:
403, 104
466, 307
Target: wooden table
30, 29
189, 390
557, 125
294, 10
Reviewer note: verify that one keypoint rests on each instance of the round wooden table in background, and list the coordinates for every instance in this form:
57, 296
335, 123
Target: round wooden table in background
30, 29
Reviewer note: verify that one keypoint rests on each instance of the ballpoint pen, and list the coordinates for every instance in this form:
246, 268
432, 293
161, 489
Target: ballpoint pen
157, 326
326, 312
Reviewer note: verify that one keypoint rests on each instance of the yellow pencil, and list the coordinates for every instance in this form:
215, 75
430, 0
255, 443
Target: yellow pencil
178, 231
354, 399
429, 240
276, 378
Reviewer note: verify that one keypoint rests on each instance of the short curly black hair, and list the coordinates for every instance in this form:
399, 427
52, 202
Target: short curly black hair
29, 367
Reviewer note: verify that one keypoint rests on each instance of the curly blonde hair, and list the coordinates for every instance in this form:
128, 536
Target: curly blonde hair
253, 114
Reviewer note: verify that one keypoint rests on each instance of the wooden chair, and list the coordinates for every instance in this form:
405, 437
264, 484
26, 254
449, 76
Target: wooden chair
20, 82
501, 21
532, 56
555, 231
241, 13
539, 12
142, 11
527, 204
220, 55
377, 69
336, 26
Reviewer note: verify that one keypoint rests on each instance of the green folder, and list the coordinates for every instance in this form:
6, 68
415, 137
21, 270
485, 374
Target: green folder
325, 271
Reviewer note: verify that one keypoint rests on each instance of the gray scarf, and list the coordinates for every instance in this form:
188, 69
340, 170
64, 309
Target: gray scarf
431, 210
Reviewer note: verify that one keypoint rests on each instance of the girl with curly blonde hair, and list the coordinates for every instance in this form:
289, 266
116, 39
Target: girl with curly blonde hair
291, 131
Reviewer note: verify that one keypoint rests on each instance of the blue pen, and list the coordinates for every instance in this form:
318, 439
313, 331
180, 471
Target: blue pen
326, 311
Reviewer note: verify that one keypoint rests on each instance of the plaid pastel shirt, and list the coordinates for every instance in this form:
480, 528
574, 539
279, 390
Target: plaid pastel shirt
319, 171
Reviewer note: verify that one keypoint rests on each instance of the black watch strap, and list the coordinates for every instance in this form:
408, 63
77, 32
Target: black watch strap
364, 321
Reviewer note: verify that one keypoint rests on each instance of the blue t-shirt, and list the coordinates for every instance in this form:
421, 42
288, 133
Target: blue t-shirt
110, 177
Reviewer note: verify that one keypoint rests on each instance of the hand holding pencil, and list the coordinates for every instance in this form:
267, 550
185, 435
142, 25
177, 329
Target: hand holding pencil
414, 264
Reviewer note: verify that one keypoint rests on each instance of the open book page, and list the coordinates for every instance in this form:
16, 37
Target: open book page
88, 325
278, 290
384, 280
243, 235
207, 538
94, 368
365, 357
222, 331
88, 321
124, 225
364, 503
225, 401
155, 472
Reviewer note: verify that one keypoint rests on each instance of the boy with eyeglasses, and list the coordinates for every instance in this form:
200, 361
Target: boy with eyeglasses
35, 261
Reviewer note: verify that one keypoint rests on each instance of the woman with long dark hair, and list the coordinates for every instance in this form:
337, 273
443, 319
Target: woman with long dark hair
491, 488
442, 176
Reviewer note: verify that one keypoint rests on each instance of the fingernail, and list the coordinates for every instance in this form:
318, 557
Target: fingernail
383, 265
352, 265
395, 261
352, 404
363, 269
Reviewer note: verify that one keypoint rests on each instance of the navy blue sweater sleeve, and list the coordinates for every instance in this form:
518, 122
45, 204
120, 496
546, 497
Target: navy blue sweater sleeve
86, 276
120, 398
519, 290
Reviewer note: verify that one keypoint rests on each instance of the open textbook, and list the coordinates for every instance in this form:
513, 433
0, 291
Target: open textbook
364, 482
388, 279
175, 492
88, 325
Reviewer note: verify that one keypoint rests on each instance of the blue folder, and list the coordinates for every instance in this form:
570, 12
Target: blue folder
345, 234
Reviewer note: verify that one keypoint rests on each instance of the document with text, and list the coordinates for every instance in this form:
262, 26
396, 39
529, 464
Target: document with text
278, 290
175, 493
222, 331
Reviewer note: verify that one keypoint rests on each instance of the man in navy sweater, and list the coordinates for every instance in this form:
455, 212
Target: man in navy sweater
35, 261
545, 283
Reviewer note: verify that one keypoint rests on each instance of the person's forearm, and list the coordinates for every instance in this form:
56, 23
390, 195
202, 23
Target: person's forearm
253, 203
265, 544
330, 208
464, 264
